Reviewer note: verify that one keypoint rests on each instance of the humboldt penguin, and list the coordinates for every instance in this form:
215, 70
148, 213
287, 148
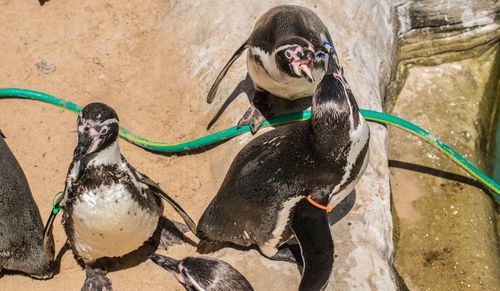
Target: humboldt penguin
261, 200
21, 227
286, 58
203, 273
110, 209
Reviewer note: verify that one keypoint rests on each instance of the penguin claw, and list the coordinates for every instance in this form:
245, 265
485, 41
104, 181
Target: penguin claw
96, 281
253, 118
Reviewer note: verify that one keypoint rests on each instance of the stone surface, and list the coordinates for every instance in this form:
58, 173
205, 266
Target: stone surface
432, 32
447, 238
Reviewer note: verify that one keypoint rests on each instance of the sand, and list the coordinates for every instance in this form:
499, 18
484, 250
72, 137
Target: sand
107, 51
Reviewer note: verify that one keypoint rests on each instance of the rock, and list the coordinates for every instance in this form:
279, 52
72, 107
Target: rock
45, 67
432, 32
447, 238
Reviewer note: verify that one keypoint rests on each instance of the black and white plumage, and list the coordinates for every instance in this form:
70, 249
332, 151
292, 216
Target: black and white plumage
21, 227
286, 57
271, 176
110, 209
203, 273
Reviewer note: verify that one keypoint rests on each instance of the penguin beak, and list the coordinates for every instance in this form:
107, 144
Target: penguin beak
303, 68
87, 144
306, 72
166, 263
333, 65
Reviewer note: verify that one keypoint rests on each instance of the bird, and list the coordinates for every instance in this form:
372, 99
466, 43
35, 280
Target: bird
286, 58
110, 208
22, 246
281, 184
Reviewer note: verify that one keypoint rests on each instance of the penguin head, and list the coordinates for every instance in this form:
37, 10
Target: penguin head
203, 273
97, 129
295, 56
331, 93
336, 71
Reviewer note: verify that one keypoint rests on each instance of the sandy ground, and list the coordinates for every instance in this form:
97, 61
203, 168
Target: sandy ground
114, 52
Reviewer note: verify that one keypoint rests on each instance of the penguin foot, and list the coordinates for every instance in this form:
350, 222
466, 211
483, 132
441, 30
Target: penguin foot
172, 233
96, 280
168, 238
205, 247
253, 118
289, 253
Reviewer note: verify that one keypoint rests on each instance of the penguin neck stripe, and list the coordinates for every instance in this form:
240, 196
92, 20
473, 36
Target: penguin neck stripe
326, 42
317, 205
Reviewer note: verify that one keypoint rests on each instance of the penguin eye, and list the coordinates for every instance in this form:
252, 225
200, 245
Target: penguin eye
288, 54
321, 55
104, 131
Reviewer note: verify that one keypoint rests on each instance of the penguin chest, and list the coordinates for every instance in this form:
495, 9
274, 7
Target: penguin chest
108, 222
356, 162
267, 76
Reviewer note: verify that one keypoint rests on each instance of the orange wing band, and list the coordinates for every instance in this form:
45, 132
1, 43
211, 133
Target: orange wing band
317, 205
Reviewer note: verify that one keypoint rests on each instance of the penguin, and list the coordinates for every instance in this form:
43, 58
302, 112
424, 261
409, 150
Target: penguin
110, 209
318, 162
286, 58
203, 273
21, 227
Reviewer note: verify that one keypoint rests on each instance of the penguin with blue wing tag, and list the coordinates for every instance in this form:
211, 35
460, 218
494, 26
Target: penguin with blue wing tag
286, 58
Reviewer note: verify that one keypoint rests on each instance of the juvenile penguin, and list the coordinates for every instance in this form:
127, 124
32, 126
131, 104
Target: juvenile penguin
110, 209
21, 227
203, 273
261, 200
286, 57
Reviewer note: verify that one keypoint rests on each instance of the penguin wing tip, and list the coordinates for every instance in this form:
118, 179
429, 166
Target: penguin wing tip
210, 97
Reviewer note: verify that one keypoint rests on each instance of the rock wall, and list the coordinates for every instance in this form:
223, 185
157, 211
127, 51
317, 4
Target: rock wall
431, 32
446, 81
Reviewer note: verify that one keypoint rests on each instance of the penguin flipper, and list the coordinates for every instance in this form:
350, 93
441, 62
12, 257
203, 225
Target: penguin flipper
158, 191
141, 178
48, 238
311, 228
215, 86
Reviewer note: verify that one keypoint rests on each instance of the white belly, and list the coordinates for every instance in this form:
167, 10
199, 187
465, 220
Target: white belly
278, 83
359, 137
107, 222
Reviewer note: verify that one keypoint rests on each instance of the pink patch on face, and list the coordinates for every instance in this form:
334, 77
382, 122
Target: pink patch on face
292, 54
300, 67
93, 132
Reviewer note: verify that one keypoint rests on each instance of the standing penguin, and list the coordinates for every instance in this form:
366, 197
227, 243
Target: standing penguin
110, 208
21, 227
262, 199
203, 273
286, 58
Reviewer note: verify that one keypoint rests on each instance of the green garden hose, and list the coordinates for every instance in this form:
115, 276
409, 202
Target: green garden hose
278, 120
